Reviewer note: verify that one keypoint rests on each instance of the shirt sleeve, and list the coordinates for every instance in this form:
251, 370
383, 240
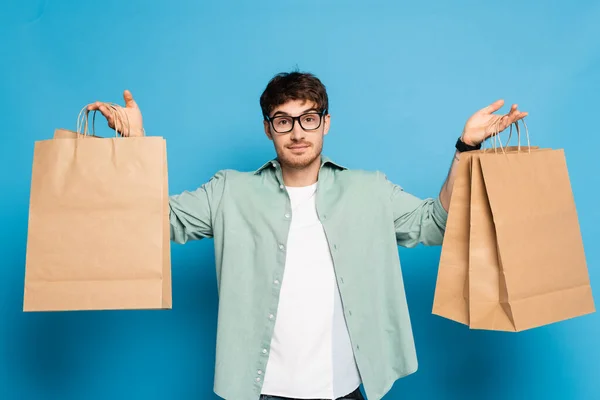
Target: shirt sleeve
416, 221
191, 212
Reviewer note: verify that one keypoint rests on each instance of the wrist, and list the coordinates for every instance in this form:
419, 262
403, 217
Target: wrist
463, 144
137, 132
466, 139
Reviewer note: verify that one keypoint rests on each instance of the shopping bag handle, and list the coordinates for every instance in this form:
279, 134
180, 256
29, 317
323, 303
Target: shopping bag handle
498, 143
83, 120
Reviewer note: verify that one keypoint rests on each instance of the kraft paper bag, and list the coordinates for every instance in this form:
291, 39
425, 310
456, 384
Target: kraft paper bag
98, 235
540, 274
451, 298
487, 289
67, 134
452, 291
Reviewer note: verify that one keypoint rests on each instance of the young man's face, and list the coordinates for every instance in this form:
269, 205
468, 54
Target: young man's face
300, 147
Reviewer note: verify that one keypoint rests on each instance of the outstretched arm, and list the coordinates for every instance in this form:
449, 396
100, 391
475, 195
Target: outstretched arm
480, 126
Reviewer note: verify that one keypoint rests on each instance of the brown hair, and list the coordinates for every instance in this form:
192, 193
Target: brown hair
287, 86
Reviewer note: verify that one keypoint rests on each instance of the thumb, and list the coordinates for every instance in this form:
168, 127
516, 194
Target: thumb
129, 101
495, 106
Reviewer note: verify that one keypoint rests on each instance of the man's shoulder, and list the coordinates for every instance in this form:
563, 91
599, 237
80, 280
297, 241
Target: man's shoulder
229, 176
361, 175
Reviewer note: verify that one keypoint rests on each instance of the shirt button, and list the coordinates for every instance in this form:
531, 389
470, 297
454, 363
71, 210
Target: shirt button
280, 186
257, 379
287, 215
271, 316
281, 247
276, 282
259, 372
264, 351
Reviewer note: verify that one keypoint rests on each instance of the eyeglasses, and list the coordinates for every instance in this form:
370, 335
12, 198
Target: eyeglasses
309, 122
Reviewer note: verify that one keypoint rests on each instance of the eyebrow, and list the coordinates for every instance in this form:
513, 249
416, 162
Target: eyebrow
282, 113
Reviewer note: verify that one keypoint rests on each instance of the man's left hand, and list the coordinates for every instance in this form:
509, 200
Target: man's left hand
484, 123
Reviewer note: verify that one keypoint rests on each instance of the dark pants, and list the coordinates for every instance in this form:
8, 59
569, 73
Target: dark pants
356, 395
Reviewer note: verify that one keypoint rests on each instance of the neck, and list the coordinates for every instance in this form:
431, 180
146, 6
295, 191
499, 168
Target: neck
298, 177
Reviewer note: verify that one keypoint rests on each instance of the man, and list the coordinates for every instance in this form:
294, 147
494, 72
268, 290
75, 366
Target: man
311, 297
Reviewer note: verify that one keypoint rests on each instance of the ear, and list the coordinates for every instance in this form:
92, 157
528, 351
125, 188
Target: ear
267, 127
326, 124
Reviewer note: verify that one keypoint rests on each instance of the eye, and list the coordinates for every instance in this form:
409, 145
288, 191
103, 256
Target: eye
281, 122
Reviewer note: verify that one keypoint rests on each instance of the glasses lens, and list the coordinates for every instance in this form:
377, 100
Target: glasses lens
310, 121
282, 124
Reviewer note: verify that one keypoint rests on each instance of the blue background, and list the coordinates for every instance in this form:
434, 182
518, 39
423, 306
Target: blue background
402, 81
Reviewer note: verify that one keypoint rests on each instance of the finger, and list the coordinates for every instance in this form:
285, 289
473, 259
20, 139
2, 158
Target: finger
121, 117
505, 121
129, 101
516, 114
94, 106
519, 116
495, 106
107, 114
513, 114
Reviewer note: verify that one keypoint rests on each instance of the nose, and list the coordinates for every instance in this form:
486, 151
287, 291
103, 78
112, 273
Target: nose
297, 133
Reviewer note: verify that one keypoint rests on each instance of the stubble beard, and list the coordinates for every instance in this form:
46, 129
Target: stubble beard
302, 161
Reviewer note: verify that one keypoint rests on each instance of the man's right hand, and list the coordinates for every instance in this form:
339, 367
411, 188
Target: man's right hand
130, 115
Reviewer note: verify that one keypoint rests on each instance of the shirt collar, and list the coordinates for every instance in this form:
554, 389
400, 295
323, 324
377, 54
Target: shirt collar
275, 163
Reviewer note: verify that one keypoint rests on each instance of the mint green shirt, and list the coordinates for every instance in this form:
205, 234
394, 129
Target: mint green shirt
365, 218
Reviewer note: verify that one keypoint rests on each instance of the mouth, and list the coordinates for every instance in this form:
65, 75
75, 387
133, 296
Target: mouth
299, 147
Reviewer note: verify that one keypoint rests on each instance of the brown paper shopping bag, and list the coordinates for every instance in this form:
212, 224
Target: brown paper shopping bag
98, 224
487, 290
452, 291
540, 275
503, 265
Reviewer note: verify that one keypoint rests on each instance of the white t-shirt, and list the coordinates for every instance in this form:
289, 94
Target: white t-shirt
311, 353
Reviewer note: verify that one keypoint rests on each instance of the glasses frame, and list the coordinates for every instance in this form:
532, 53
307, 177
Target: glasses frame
294, 119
